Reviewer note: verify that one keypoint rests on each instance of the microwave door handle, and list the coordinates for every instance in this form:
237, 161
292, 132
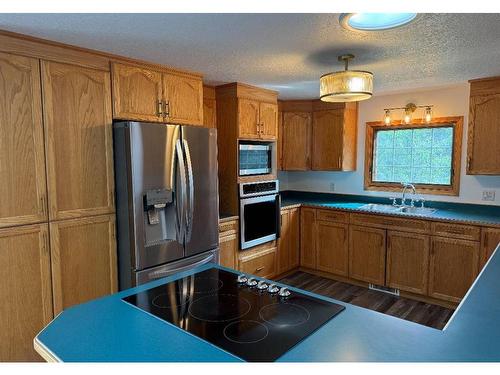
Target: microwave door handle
181, 214
190, 211
278, 216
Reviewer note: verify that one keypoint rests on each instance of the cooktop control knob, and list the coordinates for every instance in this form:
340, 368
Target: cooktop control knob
242, 279
284, 292
261, 285
251, 281
273, 288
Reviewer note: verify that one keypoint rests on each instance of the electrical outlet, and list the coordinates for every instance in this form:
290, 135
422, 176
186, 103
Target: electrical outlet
332, 186
489, 195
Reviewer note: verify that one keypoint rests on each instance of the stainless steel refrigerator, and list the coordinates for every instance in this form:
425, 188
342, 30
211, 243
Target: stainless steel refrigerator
166, 198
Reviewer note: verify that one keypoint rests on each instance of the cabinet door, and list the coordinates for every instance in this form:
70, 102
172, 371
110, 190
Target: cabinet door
333, 249
268, 119
184, 98
23, 189
484, 132
327, 140
248, 118
490, 239
453, 267
83, 260
308, 237
408, 261
78, 127
137, 93
228, 248
296, 141
367, 254
25, 292
283, 255
294, 236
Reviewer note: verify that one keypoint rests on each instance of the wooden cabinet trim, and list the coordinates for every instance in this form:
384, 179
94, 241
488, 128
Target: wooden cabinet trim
453, 230
390, 222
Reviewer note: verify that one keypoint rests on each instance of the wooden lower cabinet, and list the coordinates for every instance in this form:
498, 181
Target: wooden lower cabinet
490, 239
367, 251
332, 248
407, 261
308, 253
289, 242
25, 292
262, 264
84, 265
228, 248
453, 267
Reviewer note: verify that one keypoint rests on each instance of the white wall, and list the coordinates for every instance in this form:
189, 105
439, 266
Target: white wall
447, 101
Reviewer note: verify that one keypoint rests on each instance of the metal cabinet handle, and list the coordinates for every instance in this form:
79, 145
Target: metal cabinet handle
259, 269
159, 107
166, 108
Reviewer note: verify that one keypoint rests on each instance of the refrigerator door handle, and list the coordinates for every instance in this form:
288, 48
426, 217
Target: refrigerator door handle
181, 230
190, 211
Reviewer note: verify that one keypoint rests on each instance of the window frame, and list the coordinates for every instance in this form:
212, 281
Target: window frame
453, 189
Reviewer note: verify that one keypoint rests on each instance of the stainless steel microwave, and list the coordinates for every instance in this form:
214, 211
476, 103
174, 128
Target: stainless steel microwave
256, 158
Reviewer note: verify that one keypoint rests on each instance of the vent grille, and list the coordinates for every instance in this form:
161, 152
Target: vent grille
393, 291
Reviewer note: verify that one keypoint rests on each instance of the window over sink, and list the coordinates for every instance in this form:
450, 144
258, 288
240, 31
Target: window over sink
426, 155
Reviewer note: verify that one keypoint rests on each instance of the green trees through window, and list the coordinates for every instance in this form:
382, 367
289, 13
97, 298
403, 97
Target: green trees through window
419, 156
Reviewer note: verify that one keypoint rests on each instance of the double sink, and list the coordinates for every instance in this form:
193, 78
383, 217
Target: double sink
388, 208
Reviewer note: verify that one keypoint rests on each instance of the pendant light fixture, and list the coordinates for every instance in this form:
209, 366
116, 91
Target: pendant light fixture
346, 85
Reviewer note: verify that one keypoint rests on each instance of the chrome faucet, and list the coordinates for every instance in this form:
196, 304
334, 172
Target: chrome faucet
407, 186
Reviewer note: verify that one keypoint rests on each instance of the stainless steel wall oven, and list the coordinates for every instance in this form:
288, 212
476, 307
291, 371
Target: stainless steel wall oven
259, 213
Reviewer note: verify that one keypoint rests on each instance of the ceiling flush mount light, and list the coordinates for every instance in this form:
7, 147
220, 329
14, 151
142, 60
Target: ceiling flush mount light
346, 85
408, 111
375, 21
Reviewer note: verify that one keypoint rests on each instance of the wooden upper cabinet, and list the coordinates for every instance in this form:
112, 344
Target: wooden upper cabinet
296, 141
268, 120
367, 252
209, 107
78, 127
308, 250
333, 248
453, 267
248, 118
490, 240
408, 261
23, 189
183, 98
327, 140
26, 292
137, 93
83, 260
483, 147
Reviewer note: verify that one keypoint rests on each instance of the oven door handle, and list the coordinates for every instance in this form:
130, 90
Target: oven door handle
278, 216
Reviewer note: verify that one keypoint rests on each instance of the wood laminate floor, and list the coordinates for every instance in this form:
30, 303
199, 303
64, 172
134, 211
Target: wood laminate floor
419, 312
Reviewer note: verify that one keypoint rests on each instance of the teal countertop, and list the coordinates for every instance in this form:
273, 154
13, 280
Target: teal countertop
470, 213
109, 329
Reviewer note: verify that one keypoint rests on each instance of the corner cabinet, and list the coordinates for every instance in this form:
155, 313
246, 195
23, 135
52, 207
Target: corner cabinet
78, 129
308, 252
289, 241
26, 292
22, 160
483, 150
144, 94
84, 263
296, 133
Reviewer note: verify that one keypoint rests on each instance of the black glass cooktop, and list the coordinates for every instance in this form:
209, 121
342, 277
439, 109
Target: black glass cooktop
254, 322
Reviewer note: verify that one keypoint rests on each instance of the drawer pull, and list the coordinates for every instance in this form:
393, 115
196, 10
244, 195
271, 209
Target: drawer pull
259, 269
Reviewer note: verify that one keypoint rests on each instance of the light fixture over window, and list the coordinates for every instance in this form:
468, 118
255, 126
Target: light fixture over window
346, 85
375, 21
408, 111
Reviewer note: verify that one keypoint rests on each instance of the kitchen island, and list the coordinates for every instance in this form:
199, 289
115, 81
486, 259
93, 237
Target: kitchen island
109, 329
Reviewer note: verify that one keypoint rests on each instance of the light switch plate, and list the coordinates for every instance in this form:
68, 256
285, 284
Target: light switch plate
489, 195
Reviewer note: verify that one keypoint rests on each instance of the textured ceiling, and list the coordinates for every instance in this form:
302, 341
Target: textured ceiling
285, 52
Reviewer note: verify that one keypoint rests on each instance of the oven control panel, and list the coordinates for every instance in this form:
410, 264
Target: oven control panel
250, 189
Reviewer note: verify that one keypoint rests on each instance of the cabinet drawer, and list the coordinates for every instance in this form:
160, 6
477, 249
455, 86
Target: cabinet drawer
230, 227
466, 232
330, 215
260, 264
387, 222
